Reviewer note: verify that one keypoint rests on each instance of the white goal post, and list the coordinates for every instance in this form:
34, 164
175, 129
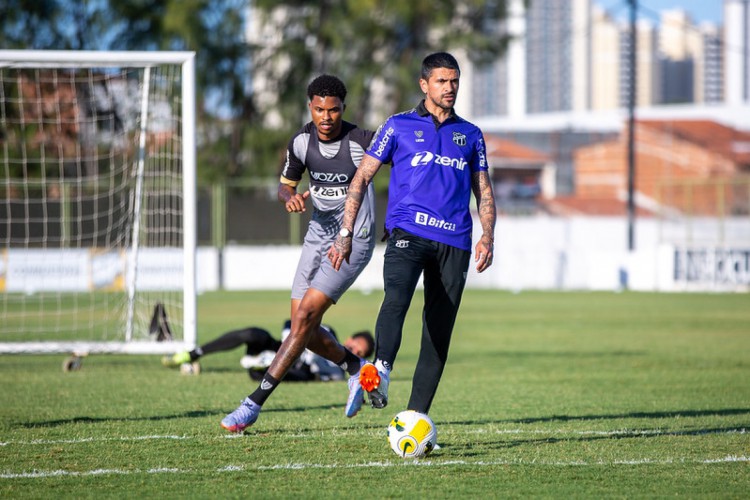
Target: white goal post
97, 202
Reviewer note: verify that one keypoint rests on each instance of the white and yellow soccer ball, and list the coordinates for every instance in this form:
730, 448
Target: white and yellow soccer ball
192, 368
412, 434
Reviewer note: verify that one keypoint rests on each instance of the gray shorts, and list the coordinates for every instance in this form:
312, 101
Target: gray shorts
314, 270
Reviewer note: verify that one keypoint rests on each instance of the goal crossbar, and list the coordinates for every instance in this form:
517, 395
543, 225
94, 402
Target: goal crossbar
75, 58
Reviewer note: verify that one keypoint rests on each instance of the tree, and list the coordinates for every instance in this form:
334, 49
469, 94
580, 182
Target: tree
375, 46
369, 42
214, 29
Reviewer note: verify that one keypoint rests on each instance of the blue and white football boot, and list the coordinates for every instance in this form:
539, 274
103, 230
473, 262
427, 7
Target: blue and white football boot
243, 417
356, 393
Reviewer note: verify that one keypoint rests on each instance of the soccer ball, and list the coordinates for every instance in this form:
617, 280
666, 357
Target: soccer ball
412, 434
193, 368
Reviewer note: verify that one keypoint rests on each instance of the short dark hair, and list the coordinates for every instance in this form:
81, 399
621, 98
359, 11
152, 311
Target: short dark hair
326, 85
438, 60
364, 334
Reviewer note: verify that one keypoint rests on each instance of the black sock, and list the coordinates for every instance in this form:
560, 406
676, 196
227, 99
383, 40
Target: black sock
196, 353
266, 387
350, 363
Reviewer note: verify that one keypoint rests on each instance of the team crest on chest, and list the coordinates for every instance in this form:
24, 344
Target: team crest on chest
459, 139
418, 134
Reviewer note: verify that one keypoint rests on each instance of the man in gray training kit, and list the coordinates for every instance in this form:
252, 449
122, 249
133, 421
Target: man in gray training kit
330, 149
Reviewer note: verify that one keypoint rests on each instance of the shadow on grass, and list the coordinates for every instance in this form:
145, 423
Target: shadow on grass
220, 412
97, 420
469, 449
572, 354
480, 448
656, 414
574, 418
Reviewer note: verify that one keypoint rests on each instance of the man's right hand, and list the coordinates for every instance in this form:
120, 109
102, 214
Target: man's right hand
296, 203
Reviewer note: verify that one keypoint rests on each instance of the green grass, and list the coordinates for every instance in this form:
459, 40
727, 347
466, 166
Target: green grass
99, 315
544, 395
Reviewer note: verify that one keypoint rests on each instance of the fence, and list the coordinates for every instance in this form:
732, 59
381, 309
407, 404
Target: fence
248, 212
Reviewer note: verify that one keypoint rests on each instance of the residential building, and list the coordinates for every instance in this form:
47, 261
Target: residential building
686, 166
648, 77
589, 68
737, 51
521, 176
606, 61
497, 88
710, 69
557, 56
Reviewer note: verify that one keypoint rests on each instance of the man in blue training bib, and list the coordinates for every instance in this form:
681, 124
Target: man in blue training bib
438, 159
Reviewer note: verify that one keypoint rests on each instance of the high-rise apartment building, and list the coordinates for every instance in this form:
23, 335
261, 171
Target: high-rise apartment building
498, 88
489, 89
681, 44
557, 55
737, 51
571, 55
710, 72
548, 78
648, 76
606, 62
581, 49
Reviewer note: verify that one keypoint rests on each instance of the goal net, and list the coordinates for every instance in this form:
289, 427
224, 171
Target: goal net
97, 202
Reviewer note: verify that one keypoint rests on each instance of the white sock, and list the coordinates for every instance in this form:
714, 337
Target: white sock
382, 367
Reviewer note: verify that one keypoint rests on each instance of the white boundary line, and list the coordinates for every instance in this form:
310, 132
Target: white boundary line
618, 432
421, 463
36, 474
87, 440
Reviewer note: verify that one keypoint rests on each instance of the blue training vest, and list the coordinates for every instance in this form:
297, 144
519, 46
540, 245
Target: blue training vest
430, 189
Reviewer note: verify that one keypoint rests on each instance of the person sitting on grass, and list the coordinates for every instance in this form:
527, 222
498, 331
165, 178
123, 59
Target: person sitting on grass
261, 347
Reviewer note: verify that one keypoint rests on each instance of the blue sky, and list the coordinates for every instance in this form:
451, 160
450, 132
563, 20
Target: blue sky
699, 10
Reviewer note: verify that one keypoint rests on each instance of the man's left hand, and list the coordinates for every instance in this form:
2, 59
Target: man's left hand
483, 253
340, 251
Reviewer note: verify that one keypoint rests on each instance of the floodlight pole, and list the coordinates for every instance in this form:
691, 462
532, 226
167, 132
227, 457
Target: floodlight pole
633, 80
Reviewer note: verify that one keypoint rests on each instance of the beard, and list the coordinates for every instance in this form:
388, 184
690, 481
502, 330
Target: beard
439, 102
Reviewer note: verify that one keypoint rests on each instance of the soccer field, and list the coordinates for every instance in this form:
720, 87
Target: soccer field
544, 395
